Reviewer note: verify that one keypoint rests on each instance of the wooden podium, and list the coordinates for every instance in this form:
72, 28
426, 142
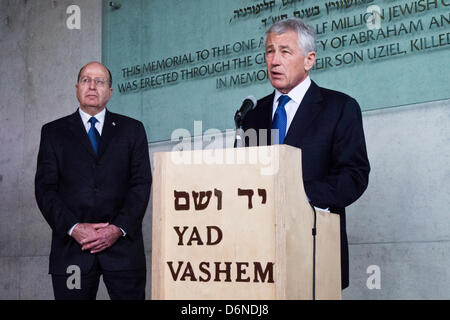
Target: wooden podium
236, 224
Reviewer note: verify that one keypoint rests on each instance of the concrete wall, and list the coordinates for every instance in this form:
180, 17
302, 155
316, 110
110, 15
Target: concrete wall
39, 60
400, 224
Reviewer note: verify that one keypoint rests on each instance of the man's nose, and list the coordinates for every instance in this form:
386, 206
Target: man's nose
92, 85
275, 59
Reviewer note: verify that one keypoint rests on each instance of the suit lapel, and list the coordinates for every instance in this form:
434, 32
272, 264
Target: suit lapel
109, 130
266, 118
78, 130
308, 110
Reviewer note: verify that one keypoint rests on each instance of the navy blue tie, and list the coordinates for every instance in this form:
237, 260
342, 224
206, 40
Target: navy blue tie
93, 134
280, 119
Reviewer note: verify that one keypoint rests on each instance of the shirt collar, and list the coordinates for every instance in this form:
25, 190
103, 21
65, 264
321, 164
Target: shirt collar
99, 116
297, 93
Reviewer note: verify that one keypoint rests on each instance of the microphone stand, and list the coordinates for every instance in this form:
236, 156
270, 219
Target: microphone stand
238, 141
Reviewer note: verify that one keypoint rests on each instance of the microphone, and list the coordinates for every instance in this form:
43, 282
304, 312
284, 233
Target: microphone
248, 104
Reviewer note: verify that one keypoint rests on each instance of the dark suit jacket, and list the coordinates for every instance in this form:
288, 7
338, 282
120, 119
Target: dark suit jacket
328, 129
74, 185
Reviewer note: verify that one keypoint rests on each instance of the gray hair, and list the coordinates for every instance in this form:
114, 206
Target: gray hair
305, 32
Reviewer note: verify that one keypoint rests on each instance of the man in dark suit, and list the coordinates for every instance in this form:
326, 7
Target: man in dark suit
92, 186
325, 124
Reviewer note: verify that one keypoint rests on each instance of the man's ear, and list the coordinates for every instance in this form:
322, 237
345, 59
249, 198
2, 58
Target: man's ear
310, 59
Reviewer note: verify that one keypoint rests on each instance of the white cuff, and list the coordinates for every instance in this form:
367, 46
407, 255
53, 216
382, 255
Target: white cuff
71, 229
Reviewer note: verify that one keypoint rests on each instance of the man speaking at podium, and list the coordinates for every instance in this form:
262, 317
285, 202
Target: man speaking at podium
92, 186
325, 124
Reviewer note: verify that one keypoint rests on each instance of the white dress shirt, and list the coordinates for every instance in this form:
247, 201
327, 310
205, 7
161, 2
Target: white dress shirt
296, 96
100, 120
